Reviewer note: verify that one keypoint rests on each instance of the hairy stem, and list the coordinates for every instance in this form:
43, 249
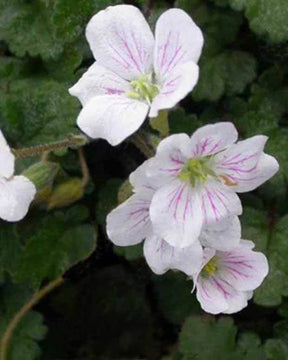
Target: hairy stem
6, 338
140, 142
70, 141
84, 167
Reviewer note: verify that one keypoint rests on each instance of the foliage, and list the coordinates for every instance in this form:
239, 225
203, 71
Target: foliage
112, 306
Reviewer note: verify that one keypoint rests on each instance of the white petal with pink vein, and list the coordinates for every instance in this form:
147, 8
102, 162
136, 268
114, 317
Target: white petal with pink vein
124, 48
198, 178
226, 280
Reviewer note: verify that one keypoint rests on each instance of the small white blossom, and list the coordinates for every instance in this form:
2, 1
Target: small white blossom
16, 192
196, 180
130, 224
227, 279
134, 74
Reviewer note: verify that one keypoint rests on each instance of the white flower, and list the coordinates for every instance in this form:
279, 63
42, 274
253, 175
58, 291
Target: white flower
16, 192
134, 74
197, 179
227, 279
130, 223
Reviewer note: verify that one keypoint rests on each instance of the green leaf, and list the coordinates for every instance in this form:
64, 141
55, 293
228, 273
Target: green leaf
23, 344
250, 347
107, 199
255, 122
63, 68
10, 69
55, 245
269, 100
27, 29
180, 122
221, 2
174, 298
197, 332
10, 249
272, 240
211, 85
268, 18
237, 4
42, 27
255, 227
160, 123
37, 110
214, 23
276, 146
228, 73
276, 349
129, 252
276, 284
220, 334
187, 5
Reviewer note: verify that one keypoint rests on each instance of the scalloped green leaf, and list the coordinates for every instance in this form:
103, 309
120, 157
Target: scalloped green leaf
206, 338
227, 73
30, 329
43, 27
38, 110
55, 245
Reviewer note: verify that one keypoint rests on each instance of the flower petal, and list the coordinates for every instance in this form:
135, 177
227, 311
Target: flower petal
16, 196
175, 214
177, 84
162, 257
224, 235
178, 40
218, 202
244, 166
129, 223
112, 117
138, 178
243, 268
237, 302
213, 138
7, 159
213, 294
121, 40
170, 158
98, 80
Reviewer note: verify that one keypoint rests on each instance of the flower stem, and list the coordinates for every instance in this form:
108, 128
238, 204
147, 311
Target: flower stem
84, 168
140, 142
70, 141
6, 338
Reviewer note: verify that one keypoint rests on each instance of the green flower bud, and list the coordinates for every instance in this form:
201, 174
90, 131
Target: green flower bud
42, 174
66, 193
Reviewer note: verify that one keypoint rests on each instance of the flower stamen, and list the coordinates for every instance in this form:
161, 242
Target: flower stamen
210, 268
144, 89
196, 170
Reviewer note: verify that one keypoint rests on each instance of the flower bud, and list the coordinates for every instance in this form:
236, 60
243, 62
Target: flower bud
66, 193
42, 174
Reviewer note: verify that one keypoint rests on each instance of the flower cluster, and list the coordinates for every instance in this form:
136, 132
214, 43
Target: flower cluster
134, 74
16, 192
185, 205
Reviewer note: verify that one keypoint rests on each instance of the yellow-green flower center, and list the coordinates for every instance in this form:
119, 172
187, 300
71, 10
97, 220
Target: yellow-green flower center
210, 268
196, 170
144, 88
